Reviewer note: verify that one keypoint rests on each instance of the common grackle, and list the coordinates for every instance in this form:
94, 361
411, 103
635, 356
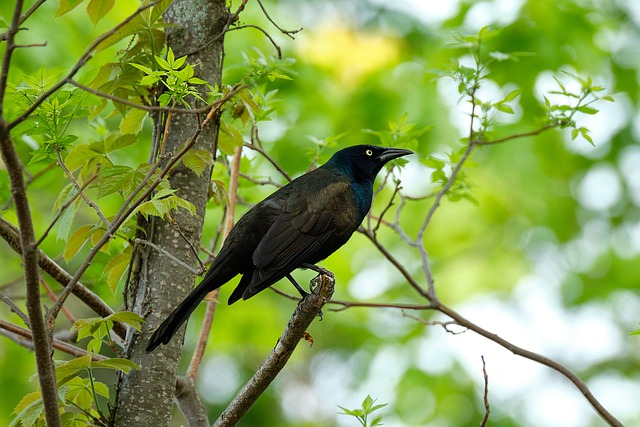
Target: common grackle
300, 224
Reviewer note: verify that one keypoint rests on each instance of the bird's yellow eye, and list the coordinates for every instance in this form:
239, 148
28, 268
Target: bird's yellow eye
369, 153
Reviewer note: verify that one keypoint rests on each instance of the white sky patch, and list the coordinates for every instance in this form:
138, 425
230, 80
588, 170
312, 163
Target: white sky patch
600, 189
370, 282
502, 12
430, 12
629, 163
220, 379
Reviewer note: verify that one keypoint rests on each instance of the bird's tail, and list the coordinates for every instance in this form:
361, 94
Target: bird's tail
168, 328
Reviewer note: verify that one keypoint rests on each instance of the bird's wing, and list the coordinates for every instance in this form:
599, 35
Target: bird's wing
296, 237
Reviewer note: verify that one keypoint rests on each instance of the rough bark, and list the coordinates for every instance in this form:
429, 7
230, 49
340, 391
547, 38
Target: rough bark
145, 397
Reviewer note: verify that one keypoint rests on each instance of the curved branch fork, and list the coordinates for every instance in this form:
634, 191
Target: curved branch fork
307, 310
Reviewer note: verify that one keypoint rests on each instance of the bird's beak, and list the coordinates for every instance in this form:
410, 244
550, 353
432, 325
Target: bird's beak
393, 153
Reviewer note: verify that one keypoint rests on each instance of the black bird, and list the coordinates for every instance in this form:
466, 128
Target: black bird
299, 225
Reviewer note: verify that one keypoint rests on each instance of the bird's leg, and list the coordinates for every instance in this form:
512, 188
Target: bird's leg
302, 291
317, 269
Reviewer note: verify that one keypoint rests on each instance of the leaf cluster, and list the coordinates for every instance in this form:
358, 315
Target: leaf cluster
366, 410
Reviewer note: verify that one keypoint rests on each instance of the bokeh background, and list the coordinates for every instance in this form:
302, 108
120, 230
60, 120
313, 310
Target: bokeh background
548, 258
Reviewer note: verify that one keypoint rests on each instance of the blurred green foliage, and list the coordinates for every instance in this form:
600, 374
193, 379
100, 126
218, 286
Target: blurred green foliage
359, 70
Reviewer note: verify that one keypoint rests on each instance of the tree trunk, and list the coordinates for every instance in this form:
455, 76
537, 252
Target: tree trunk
145, 397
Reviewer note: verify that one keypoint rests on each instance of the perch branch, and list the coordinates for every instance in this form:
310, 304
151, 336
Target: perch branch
305, 312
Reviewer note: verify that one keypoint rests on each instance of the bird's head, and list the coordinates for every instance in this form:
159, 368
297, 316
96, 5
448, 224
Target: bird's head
363, 162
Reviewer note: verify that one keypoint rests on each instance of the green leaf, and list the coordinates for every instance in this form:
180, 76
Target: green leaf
81, 155
128, 317
66, 219
120, 141
505, 108
197, 160
116, 363
66, 370
116, 267
112, 179
79, 393
141, 67
229, 138
149, 80
97, 9
66, 6
31, 411
367, 403
137, 24
512, 95
587, 110
101, 388
26, 401
163, 63
77, 241
133, 121
94, 346
636, 332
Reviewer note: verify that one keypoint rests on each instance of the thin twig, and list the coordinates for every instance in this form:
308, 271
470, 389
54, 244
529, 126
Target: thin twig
24, 16
288, 33
64, 207
57, 344
14, 308
149, 108
80, 189
169, 255
269, 159
212, 297
263, 31
519, 135
52, 295
193, 248
231, 18
12, 236
485, 396
267, 181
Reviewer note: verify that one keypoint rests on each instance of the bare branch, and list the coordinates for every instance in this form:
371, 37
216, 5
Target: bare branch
288, 33
266, 34
62, 346
189, 402
14, 308
65, 310
24, 17
65, 206
79, 189
305, 312
212, 297
169, 255
270, 159
519, 351
520, 135
11, 235
485, 396
149, 108
14, 167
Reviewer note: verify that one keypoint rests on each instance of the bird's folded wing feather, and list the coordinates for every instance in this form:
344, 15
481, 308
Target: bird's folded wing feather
294, 238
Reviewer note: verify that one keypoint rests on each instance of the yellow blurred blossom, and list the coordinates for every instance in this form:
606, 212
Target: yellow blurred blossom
349, 54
